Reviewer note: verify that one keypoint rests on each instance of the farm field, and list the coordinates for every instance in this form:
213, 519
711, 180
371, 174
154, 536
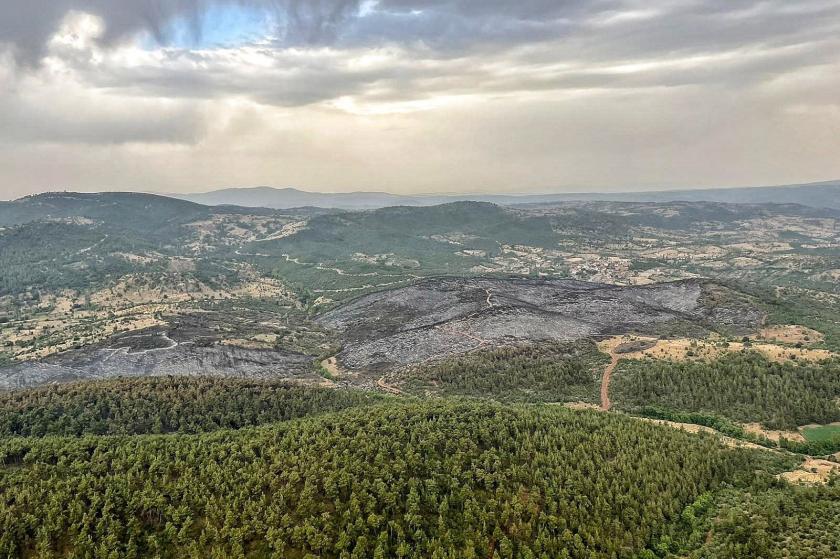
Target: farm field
818, 433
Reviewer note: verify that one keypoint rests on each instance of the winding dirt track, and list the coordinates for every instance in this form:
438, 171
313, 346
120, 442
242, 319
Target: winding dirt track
387, 387
605, 382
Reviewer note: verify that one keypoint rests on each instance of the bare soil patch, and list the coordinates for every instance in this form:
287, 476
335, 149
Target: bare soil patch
252, 343
812, 471
331, 365
685, 349
582, 406
791, 334
775, 436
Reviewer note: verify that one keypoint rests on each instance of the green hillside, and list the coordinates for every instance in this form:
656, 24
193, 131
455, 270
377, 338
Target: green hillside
142, 213
548, 372
745, 387
434, 479
162, 405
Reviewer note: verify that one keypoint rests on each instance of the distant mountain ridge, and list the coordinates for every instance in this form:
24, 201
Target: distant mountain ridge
141, 212
819, 195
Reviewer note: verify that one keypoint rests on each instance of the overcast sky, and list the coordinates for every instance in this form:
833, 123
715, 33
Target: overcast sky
417, 95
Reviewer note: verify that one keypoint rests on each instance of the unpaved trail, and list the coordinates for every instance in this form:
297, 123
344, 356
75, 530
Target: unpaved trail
605, 382
361, 288
387, 387
93, 246
451, 330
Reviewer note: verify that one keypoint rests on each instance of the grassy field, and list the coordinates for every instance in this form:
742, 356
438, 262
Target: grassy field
821, 432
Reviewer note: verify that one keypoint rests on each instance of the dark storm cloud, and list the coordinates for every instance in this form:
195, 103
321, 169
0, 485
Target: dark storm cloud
444, 47
595, 29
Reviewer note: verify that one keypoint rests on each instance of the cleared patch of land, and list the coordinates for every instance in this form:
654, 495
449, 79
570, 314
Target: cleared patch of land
694, 349
331, 366
773, 435
818, 433
791, 334
812, 471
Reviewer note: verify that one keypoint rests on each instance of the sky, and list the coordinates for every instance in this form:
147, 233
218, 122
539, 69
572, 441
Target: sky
417, 96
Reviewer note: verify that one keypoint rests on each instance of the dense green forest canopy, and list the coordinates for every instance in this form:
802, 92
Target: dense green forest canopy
31, 257
165, 405
430, 479
743, 386
544, 372
771, 522
141, 213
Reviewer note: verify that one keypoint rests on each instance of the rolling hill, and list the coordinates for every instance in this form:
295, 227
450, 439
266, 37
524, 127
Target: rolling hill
819, 195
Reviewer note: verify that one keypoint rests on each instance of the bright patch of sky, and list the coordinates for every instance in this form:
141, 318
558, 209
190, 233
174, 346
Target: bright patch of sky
367, 7
221, 25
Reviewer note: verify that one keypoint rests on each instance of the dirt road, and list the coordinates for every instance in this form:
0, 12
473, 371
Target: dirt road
605, 382
387, 387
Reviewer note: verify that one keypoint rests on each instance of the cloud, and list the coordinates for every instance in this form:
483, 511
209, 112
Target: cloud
71, 115
26, 27
421, 94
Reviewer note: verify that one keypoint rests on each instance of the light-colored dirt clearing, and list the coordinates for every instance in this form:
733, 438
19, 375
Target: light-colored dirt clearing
692, 428
253, 343
263, 289
582, 406
387, 387
331, 365
605, 381
781, 354
775, 436
744, 262
790, 334
684, 349
812, 471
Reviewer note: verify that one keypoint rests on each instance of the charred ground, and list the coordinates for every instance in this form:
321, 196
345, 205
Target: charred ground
439, 317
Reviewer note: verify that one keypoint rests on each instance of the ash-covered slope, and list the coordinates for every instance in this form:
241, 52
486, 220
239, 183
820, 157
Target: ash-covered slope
439, 317
187, 349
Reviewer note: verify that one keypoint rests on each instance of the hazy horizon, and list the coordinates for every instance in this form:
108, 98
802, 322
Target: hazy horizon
557, 192
417, 96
